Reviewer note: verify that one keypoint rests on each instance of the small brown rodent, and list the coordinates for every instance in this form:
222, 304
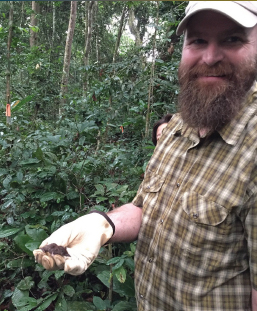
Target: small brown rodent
55, 249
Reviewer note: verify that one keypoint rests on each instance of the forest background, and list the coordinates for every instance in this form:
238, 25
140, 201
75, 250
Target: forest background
82, 84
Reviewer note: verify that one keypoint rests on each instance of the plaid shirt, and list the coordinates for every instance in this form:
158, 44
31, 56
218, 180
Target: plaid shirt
197, 247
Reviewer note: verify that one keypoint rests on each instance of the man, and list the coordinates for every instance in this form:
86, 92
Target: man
195, 213
159, 126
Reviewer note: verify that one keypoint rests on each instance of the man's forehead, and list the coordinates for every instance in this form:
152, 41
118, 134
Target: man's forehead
194, 32
243, 13
206, 21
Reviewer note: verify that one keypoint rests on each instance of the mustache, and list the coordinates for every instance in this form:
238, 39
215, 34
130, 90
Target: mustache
204, 70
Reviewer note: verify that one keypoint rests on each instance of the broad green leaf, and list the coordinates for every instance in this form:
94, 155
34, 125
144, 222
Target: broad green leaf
17, 297
110, 186
120, 274
68, 290
114, 260
21, 299
20, 176
46, 303
22, 102
3, 171
7, 181
61, 304
82, 140
72, 195
100, 199
32, 245
21, 241
28, 303
124, 289
58, 274
130, 263
51, 156
99, 303
26, 284
38, 154
20, 263
133, 247
128, 253
122, 188
118, 264
125, 306
99, 189
29, 161
80, 306
49, 196
32, 303
7, 232
54, 139
34, 28
36, 234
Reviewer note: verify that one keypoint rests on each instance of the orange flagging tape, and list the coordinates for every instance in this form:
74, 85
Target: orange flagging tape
8, 110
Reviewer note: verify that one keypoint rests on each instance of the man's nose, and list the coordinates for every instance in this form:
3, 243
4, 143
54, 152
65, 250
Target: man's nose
212, 54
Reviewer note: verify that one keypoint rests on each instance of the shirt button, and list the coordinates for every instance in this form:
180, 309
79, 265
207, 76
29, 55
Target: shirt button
178, 184
161, 221
195, 215
141, 296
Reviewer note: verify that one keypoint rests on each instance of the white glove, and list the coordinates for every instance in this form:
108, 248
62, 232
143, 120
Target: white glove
80, 239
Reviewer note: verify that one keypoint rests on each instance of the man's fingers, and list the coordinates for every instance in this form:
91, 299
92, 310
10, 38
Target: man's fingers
45, 259
59, 261
38, 254
48, 262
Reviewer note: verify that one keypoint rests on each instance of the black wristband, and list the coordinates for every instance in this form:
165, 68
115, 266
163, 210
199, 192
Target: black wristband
106, 217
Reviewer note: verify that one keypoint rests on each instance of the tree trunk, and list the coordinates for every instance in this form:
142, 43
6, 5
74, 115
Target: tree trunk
96, 34
8, 71
150, 91
22, 14
33, 23
90, 20
86, 20
54, 23
67, 56
119, 33
133, 28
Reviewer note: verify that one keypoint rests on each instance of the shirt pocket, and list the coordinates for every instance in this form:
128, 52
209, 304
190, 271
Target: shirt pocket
207, 235
152, 192
203, 211
153, 183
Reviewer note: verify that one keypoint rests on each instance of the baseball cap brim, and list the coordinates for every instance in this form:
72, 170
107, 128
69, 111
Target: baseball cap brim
240, 13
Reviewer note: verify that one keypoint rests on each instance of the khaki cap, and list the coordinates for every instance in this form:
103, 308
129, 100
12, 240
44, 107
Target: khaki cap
243, 13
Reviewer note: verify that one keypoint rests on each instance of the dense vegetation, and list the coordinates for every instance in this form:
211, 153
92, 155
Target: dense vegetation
66, 153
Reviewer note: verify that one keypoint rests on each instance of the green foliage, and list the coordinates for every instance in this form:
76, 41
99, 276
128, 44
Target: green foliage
50, 177
54, 169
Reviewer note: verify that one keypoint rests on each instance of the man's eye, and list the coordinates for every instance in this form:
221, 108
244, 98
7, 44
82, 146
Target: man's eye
199, 41
233, 39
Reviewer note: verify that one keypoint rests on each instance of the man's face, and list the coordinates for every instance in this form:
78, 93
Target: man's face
218, 67
159, 130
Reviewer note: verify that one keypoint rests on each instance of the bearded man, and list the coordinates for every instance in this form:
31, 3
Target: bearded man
195, 213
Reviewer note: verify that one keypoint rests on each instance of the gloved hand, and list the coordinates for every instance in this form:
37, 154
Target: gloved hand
82, 239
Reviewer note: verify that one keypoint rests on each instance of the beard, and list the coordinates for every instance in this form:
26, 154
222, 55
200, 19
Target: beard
214, 104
